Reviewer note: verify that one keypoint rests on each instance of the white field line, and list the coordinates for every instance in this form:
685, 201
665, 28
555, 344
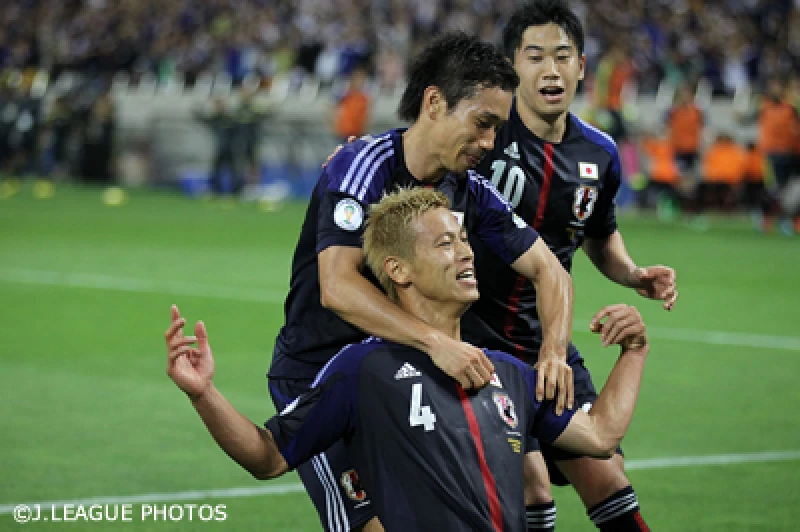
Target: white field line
282, 489
130, 284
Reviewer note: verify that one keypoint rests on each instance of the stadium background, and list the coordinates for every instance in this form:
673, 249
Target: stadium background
87, 273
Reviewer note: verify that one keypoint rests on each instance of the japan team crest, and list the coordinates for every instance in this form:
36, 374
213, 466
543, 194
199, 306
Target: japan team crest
585, 198
505, 407
352, 486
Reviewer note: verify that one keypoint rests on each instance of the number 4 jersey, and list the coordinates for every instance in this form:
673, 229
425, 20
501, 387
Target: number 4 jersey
430, 455
563, 190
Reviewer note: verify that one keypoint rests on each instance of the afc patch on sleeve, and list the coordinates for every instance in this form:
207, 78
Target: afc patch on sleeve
348, 214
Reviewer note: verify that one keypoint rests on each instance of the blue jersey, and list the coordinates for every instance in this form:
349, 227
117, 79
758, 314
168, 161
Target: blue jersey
359, 175
565, 191
429, 454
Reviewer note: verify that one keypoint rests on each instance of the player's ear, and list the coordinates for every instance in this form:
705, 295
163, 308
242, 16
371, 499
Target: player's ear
583, 66
433, 103
398, 271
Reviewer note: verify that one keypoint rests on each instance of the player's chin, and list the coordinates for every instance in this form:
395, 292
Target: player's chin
468, 294
551, 110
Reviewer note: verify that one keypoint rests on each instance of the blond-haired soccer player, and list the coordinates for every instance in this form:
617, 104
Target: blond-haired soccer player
431, 454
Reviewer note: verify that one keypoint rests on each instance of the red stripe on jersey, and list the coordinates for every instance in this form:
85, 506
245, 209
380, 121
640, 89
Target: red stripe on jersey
513, 299
640, 521
488, 480
547, 178
513, 308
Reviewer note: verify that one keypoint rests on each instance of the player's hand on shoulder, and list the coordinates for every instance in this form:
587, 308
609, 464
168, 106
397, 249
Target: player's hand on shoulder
657, 282
554, 380
621, 324
464, 362
190, 368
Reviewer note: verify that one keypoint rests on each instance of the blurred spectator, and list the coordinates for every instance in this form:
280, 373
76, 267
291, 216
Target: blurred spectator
58, 126
22, 125
754, 194
249, 120
685, 123
223, 127
613, 75
351, 113
97, 142
778, 133
663, 189
723, 170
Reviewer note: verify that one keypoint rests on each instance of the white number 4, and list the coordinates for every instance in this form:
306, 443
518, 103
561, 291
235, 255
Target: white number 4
420, 415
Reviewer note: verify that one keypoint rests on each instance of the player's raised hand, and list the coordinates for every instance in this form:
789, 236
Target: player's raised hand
554, 379
620, 324
657, 282
462, 361
191, 368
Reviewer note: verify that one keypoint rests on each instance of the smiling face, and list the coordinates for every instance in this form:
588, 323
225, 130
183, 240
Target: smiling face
549, 67
463, 135
442, 268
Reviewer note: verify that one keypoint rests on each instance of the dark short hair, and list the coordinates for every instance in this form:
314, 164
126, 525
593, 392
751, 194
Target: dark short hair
540, 13
458, 64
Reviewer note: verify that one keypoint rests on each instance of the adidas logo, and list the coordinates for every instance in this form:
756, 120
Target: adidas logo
512, 150
406, 372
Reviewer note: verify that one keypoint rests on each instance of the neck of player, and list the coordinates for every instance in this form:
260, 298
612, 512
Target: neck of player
548, 128
422, 162
445, 317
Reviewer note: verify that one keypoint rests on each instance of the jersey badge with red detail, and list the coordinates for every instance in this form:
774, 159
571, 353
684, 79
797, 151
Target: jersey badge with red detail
352, 486
505, 407
588, 171
496, 381
585, 198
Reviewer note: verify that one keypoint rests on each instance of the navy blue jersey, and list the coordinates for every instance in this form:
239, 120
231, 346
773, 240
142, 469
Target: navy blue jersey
430, 455
566, 192
359, 175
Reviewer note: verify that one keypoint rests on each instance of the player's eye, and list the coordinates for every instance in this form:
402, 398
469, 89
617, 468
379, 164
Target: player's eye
535, 58
563, 58
483, 124
445, 243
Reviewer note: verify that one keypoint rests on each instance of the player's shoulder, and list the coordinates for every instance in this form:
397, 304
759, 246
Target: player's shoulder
483, 188
350, 358
501, 358
594, 135
360, 161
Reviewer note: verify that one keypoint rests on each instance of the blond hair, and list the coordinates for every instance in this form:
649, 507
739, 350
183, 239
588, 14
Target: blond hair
389, 233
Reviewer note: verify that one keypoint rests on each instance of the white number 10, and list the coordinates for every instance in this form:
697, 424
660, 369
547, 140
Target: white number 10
420, 415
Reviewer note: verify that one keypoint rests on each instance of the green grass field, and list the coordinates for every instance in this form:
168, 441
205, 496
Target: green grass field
88, 411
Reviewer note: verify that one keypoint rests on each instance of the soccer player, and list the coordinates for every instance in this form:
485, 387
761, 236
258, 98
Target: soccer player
459, 92
432, 455
561, 176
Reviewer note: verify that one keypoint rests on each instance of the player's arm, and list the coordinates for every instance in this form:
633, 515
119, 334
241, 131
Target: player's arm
599, 432
192, 370
554, 297
346, 291
250, 446
611, 258
518, 245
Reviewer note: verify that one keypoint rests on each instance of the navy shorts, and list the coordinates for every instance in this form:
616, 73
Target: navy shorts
585, 396
330, 480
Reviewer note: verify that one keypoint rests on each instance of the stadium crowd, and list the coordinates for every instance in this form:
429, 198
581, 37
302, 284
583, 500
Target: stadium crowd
729, 42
